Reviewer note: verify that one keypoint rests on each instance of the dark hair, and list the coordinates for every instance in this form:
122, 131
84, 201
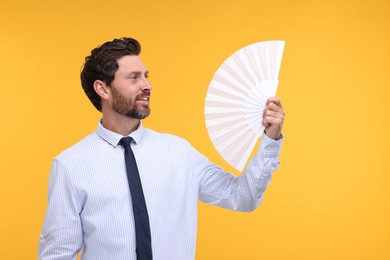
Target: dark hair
102, 65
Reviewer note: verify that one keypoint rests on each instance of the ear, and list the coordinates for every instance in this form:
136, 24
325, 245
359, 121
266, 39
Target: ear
101, 89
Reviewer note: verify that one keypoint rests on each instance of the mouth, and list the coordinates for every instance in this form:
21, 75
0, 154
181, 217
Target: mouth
142, 99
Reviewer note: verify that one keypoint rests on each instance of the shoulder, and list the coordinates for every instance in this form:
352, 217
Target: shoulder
154, 136
164, 142
80, 149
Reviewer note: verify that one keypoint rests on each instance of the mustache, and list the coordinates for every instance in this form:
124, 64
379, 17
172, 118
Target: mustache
143, 95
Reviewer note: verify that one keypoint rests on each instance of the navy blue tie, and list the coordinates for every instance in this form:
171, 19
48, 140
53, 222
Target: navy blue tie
141, 218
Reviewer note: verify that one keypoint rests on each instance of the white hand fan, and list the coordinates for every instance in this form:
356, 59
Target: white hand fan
236, 99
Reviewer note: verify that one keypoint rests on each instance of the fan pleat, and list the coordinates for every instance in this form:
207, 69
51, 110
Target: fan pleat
240, 65
224, 125
218, 87
229, 82
254, 64
225, 138
225, 99
238, 145
244, 151
223, 93
222, 104
224, 119
241, 83
215, 115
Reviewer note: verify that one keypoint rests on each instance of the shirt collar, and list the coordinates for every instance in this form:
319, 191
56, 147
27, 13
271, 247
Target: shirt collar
113, 138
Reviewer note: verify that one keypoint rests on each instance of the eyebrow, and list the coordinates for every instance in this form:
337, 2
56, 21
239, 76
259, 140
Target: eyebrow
138, 73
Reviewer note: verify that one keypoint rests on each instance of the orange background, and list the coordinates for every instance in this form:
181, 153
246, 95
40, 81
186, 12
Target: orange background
330, 199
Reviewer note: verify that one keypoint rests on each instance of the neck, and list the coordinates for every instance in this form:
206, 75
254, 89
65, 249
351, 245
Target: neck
119, 123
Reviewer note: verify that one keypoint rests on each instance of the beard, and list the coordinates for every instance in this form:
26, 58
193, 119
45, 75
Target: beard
128, 107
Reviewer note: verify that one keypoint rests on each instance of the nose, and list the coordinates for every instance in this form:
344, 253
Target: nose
146, 86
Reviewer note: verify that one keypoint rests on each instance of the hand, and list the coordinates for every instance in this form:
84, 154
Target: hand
273, 117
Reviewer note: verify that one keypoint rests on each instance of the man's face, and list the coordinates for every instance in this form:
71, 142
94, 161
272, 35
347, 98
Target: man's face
130, 89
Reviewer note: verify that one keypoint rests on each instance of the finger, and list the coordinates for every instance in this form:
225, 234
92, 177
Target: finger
273, 121
268, 114
267, 120
271, 113
274, 107
275, 100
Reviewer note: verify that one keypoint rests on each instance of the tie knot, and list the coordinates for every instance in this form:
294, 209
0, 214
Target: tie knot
126, 141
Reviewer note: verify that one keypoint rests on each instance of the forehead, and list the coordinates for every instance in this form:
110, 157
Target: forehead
130, 63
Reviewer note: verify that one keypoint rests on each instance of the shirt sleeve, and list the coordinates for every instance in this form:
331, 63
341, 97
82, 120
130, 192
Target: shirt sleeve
243, 193
61, 236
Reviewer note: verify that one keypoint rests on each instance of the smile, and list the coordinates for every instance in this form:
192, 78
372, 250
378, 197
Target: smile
143, 99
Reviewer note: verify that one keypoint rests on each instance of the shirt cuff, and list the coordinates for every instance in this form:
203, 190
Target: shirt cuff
270, 147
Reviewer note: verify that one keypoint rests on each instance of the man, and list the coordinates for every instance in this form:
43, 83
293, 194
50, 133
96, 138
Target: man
91, 207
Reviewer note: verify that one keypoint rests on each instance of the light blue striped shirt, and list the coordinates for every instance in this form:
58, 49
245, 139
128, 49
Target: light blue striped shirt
89, 204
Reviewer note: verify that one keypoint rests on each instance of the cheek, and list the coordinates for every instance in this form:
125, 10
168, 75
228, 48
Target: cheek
128, 91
